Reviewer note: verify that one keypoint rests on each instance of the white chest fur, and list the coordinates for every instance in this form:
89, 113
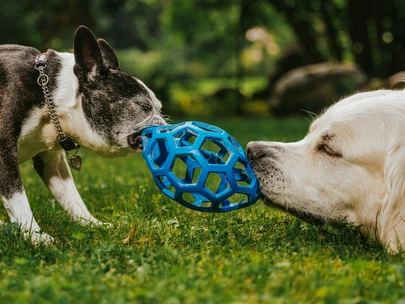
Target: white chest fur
38, 134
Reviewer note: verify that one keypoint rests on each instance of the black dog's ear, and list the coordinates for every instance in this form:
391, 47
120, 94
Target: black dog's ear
109, 57
88, 56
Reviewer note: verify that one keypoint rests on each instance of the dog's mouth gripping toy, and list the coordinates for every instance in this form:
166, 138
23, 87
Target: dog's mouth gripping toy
200, 166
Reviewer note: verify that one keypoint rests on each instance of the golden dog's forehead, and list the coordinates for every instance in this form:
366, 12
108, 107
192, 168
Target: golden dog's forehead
339, 129
361, 127
324, 125
363, 110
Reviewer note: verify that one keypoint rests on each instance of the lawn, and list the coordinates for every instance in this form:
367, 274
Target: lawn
254, 255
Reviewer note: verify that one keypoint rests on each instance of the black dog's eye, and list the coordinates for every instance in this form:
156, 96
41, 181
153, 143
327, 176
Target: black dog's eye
146, 107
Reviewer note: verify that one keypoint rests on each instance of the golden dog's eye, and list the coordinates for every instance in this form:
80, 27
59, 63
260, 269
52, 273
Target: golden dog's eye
328, 150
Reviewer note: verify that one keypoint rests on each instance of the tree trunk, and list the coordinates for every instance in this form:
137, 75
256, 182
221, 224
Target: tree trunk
359, 12
302, 28
333, 35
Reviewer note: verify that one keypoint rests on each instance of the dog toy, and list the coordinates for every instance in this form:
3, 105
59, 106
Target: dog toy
200, 166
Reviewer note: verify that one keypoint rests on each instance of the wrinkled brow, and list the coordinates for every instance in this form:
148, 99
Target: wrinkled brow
327, 137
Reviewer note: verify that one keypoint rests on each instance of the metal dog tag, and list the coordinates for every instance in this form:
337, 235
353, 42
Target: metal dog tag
75, 162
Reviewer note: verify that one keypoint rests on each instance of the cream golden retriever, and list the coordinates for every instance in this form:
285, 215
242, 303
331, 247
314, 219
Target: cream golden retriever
349, 167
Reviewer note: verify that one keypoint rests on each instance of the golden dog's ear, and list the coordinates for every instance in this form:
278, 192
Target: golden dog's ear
391, 220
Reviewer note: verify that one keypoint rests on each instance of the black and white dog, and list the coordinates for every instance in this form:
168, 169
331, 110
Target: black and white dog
97, 106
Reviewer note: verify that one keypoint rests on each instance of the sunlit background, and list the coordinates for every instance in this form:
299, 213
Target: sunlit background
235, 57
243, 65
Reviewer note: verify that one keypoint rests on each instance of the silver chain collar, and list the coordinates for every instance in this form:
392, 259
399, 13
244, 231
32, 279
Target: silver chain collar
64, 140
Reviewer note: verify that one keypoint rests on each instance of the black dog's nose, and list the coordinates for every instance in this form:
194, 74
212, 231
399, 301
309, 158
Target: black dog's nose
158, 120
254, 150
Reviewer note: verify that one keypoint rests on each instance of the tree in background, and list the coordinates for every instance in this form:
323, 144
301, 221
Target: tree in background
43, 24
372, 32
51, 23
168, 41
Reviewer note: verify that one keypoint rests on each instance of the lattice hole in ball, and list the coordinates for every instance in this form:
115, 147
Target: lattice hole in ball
241, 176
238, 197
166, 186
206, 204
164, 130
196, 175
243, 183
191, 139
171, 189
216, 182
185, 138
186, 169
159, 152
239, 165
179, 168
214, 151
188, 197
196, 199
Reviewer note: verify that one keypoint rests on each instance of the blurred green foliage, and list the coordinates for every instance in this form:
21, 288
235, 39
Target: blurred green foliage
168, 43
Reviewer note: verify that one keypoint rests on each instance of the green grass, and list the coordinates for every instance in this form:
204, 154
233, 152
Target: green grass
254, 255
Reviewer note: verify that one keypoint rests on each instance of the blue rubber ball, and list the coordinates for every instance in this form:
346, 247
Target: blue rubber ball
200, 166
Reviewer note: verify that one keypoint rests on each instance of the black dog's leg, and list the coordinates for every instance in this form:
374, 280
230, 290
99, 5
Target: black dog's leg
55, 172
14, 197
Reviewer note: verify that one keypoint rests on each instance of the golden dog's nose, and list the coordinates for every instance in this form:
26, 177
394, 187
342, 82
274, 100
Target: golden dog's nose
259, 149
255, 150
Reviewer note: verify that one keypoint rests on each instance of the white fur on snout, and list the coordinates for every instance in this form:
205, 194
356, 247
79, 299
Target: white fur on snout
153, 120
298, 181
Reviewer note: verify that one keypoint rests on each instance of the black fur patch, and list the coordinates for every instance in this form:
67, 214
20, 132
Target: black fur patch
39, 165
19, 95
109, 57
114, 98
